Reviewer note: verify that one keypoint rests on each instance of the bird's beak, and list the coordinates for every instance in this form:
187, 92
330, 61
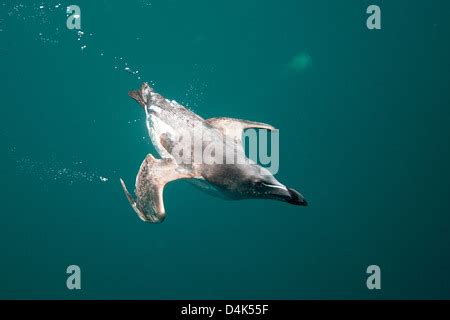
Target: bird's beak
296, 198
287, 194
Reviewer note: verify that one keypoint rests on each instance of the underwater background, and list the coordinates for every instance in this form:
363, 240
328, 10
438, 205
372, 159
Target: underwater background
364, 135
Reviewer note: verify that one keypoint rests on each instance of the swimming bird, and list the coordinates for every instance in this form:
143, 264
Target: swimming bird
173, 130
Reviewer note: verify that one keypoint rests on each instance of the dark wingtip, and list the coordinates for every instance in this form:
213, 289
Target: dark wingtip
297, 198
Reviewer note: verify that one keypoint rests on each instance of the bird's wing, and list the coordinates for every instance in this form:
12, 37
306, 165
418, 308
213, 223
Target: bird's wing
235, 127
153, 175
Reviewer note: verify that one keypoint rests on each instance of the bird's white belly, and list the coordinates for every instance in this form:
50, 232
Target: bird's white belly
156, 128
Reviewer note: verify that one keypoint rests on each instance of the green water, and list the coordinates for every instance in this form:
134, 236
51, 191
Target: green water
364, 135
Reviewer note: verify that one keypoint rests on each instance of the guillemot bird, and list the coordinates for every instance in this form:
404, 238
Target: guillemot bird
174, 131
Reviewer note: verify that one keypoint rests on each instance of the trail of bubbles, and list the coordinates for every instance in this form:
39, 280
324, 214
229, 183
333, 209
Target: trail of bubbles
42, 16
45, 15
87, 43
54, 171
36, 15
145, 3
195, 90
